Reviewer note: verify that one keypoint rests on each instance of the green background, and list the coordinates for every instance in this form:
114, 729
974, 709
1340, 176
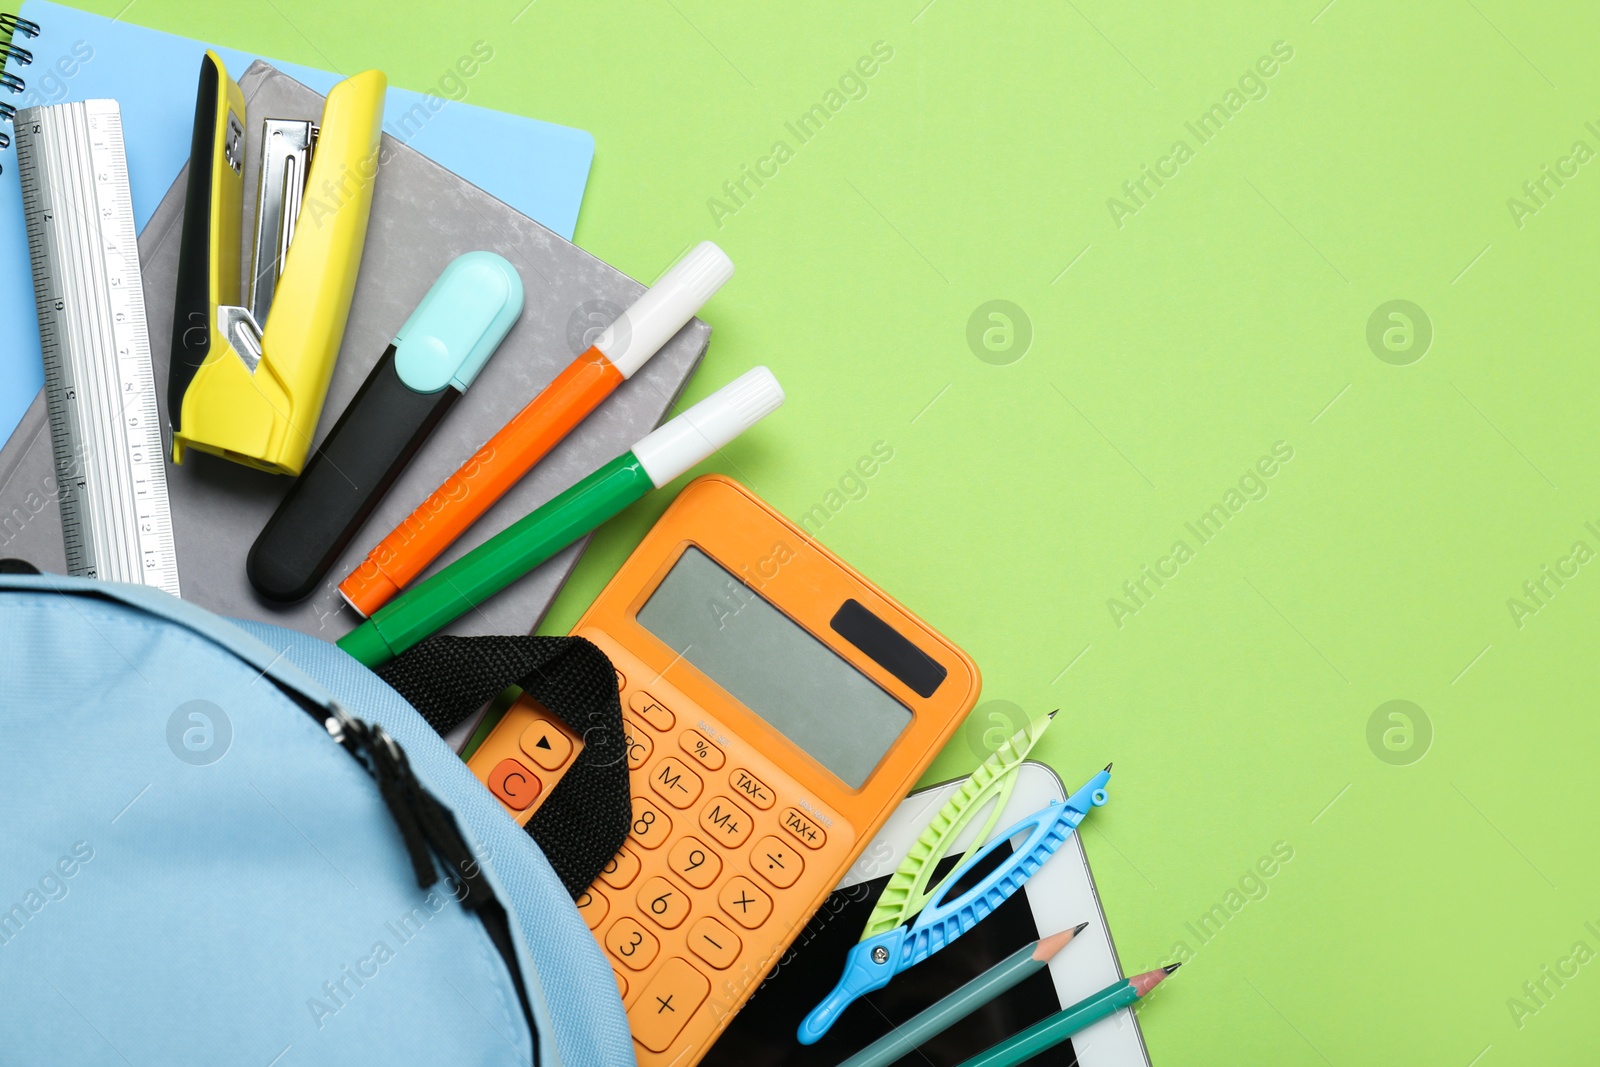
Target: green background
1167, 355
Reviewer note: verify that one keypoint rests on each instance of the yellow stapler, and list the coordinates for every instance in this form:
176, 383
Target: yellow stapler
248, 380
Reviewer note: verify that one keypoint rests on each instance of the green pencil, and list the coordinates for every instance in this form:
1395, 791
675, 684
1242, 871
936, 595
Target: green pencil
1028, 960
1054, 1029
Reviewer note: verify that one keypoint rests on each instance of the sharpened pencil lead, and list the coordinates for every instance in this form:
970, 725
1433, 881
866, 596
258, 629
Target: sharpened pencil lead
1080, 928
1108, 768
1046, 947
1169, 968
1052, 714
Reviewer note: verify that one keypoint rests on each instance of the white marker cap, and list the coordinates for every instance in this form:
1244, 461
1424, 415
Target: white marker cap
673, 448
661, 312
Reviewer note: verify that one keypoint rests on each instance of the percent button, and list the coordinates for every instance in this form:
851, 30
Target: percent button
703, 751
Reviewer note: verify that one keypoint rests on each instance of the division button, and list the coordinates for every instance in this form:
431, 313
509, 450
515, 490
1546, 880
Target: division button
777, 861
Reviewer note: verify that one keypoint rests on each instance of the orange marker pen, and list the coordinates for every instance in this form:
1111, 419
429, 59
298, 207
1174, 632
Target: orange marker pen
624, 347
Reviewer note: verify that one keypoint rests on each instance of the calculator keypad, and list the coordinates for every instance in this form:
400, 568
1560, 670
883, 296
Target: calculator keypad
525, 757
723, 856
592, 905
516, 785
803, 827
736, 860
546, 745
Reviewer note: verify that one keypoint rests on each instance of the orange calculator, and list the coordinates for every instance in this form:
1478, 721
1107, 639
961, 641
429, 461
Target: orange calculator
778, 706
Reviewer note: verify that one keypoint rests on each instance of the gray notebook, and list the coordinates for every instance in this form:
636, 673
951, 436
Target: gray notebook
423, 216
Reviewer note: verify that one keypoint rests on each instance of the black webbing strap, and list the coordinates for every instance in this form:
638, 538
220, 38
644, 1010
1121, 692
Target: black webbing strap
583, 822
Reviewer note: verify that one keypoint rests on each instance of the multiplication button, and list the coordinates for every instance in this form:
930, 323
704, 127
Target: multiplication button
745, 901
665, 1005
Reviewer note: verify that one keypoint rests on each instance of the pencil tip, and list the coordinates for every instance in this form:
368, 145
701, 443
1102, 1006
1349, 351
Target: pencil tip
1046, 947
1169, 968
1080, 928
1108, 768
1052, 714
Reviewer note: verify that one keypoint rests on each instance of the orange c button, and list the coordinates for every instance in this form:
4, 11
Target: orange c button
514, 784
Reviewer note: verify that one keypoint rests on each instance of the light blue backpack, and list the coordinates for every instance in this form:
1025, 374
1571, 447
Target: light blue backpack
214, 834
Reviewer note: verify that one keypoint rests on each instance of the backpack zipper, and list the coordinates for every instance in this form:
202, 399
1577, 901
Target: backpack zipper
428, 828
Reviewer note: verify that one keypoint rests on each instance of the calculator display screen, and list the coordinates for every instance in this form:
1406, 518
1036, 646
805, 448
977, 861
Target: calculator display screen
773, 666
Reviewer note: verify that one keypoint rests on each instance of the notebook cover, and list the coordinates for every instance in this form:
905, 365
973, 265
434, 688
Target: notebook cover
537, 167
423, 216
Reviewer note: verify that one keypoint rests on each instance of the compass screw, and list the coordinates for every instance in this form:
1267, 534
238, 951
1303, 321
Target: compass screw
880, 955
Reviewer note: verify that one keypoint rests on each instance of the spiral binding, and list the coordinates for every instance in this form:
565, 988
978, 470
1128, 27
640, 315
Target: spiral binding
12, 25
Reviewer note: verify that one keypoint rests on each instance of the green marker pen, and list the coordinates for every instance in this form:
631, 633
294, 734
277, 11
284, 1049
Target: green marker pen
657, 459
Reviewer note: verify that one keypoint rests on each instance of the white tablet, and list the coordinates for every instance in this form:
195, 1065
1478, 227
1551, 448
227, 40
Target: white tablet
1059, 897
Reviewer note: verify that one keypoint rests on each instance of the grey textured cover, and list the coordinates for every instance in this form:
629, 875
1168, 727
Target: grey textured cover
423, 216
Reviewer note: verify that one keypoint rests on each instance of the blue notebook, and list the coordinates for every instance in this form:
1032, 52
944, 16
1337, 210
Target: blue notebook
538, 168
